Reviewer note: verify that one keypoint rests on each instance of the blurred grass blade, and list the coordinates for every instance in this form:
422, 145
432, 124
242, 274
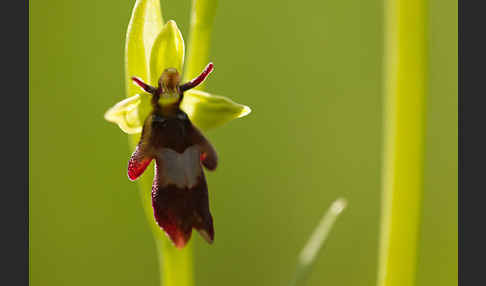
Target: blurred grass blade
310, 251
405, 78
203, 13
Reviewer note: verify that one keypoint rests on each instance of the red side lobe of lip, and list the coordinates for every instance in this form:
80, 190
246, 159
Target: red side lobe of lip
199, 79
137, 164
178, 210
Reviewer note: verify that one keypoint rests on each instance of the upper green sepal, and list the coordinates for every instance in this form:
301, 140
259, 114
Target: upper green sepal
167, 51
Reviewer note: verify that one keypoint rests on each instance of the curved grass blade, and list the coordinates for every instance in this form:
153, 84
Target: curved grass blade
316, 241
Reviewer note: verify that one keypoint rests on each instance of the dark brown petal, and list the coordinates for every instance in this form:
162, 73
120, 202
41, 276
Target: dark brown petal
178, 210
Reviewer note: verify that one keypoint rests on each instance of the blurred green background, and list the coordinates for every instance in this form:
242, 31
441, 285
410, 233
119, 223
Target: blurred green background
311, 72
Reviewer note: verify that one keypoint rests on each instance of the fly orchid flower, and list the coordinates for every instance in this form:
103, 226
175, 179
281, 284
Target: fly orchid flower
169, 115
205, 110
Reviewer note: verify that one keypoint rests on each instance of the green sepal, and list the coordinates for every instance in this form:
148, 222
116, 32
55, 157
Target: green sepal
130, 113
208, 111
167, 51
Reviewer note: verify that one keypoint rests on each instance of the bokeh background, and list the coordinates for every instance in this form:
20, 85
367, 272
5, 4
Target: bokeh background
311, 72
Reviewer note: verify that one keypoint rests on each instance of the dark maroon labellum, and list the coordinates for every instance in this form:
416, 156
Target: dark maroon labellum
179, 190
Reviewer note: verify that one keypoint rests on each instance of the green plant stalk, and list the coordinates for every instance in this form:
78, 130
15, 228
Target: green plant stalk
404, 120
202, 19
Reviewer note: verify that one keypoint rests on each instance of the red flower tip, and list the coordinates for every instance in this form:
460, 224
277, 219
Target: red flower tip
199, 79
137, 164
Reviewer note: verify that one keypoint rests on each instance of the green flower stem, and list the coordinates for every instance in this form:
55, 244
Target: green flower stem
405, 91
177, 264
202, 19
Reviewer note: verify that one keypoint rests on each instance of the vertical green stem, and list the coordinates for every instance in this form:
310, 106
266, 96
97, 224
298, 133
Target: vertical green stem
177, 267
405, 91
202, 19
